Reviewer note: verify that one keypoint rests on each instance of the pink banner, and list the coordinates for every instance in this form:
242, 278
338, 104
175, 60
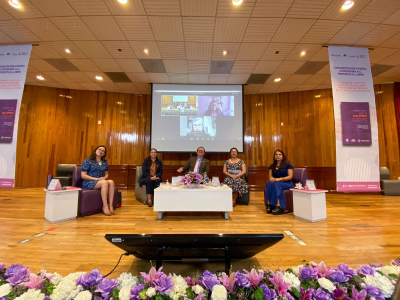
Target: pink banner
6, 183
359, 186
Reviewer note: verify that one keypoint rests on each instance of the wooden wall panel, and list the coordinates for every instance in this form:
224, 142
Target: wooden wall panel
57, 129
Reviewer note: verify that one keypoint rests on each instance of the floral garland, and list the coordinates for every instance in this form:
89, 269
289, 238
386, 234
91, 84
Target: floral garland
310, 281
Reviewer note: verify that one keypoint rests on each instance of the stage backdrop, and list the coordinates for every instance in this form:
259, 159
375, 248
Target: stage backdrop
356, 127
13, 65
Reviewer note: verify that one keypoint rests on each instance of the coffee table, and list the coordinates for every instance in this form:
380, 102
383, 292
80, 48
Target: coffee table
182, 199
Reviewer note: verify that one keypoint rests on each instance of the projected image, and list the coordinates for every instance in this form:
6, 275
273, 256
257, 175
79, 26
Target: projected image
216, 106
179, 105
198, 127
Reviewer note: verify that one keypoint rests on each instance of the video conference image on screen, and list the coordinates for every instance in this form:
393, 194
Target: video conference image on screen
187, 116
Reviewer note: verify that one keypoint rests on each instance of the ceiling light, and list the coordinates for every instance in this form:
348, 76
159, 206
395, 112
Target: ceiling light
67, 50
99, 78
123, 1
225, 52
347, 4
146, 51
317, 96
277, 79
40, 77
14, 3
237, 2
303, 53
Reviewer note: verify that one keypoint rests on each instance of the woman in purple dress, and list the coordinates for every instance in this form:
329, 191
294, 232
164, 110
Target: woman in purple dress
280, 179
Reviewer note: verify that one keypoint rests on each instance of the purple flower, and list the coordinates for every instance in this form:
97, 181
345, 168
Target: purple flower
320, 294
375, 292
347, 271
338, 276
339, 294
279, 284
228, 281
205, 273
366, 270
322, 270
164, 284
91, 279
1, 266
306, 295
106, 287
11, 270
376, 265
242, 280
21, 275
190, 281
307, 273
209, 280
152, 276
135, 291
35, 282
358, 295
254, 277
269, 294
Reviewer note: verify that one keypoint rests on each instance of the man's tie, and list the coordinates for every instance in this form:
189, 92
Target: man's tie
196, 167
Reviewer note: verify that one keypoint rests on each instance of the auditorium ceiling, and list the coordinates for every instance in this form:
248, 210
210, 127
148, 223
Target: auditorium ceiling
198, 42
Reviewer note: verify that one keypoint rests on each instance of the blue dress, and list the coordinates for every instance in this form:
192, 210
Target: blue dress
274, 190
93, 169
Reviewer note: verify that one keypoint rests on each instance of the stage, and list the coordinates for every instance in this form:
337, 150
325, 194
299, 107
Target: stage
359, 229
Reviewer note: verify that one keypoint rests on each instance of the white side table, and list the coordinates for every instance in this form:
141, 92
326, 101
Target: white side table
309, 205
61, 205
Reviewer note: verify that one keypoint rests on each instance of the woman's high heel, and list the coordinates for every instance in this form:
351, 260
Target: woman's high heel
106, 211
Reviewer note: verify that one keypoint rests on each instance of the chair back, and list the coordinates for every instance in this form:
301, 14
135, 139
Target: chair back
138, 175
76, 177
64, 169
299, 175
246, 176
384, 173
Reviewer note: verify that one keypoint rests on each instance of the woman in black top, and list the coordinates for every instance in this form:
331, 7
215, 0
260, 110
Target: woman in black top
152, 170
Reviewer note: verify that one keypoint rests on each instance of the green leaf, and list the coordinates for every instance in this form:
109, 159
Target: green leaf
116, 294
159, 297
142, 294
10, 296
259, 294
304, 286
394, 276
379, 272
49, 289
296, 292
289, 270
3, 282
189, 293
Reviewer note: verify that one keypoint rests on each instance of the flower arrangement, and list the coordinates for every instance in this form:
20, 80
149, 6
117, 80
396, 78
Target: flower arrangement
310, 281
192, 178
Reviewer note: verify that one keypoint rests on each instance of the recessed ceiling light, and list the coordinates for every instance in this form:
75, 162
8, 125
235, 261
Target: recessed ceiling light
237, 2
347, 4
14, 3
317, 96
123, 1
224, 52
40, 77
146, 51
303, 53
67, 50
99, 78
277, 79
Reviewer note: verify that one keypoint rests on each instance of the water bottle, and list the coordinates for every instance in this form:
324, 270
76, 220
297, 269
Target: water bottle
206, 179
167, 183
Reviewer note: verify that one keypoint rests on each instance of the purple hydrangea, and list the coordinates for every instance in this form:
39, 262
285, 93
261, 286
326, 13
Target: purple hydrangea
320, 294
366, 270
375, 292
135, 291
338, 276
106, 287
307, 273
164, 284
347, 271
269, 294
12, 269
209, 280
91, 279
242, 280
205, 273
21, 275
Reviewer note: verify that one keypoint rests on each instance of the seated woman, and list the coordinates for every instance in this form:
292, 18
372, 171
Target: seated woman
280, 176
234, 169
197, 128
152, 170
95, 177
213, 109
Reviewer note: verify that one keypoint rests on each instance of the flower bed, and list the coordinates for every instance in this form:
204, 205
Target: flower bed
310, 281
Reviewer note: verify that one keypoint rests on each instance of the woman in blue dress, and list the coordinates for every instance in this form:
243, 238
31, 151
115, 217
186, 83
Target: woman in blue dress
95, 174
280, 179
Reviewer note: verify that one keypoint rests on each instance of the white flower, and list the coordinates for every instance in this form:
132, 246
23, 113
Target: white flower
326, 284
151, 292
124, 293
391, 270
292, 279
85, 295
380, 282
56, 278
296, 270
180, 287
5, 289
31, 294
198, 289
67, 288
219, 292
127, 279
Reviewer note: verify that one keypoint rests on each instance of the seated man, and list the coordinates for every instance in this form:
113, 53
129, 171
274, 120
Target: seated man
197, 164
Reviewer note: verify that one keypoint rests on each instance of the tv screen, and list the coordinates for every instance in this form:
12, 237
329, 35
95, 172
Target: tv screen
185, 117
193, 246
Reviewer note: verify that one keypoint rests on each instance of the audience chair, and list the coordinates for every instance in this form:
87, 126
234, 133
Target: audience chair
299, 175
140, 192
389, 187
90, 202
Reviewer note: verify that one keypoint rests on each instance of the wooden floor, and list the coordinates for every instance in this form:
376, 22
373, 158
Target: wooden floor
359, 229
